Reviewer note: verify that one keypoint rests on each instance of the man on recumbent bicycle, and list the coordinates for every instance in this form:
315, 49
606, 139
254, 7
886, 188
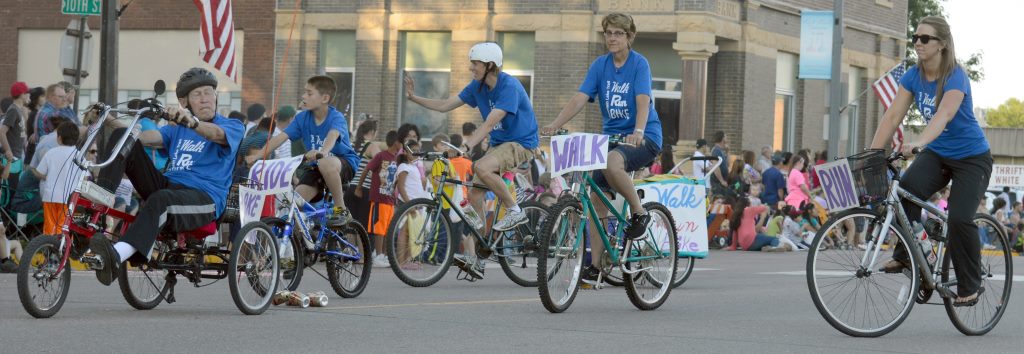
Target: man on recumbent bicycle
193, 191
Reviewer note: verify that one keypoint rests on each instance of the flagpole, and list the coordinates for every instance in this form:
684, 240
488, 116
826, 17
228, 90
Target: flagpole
855, 99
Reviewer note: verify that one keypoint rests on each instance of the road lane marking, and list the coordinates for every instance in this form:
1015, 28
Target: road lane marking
1016, 278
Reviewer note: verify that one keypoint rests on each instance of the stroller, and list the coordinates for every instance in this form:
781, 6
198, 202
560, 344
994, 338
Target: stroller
21, 209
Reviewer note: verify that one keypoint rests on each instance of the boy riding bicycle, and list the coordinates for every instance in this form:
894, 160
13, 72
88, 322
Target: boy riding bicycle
324, 131
508, 120
192, 193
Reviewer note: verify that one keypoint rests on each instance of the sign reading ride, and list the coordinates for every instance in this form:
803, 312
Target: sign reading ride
81, 7
269, 177
838, 185
578, 152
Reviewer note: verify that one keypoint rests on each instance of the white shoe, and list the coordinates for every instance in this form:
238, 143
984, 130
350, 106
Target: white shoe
989, 247
381, 261
862, 247
511, 220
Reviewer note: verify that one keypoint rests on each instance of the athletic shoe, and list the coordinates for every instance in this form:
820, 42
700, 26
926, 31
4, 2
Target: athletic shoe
511, 220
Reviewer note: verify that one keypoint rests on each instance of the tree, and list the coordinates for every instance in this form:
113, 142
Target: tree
917, 10
1010, 114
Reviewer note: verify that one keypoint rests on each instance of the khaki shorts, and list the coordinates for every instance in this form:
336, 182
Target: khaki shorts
509, 155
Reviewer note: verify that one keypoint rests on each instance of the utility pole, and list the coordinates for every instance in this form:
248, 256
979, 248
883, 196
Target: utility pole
108, 53
835, 89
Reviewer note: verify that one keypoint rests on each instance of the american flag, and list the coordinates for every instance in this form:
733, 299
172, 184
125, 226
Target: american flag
217, 35
885, 88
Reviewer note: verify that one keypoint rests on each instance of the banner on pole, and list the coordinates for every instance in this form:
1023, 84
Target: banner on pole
816, 45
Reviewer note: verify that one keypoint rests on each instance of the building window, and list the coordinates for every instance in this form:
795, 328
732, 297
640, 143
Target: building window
518, 55
851, 116
784, 127
426, 58
666, 84
229, 101
338, 60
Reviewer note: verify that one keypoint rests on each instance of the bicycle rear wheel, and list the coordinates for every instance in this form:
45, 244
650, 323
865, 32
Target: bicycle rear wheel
42, 291
420, 242
561, 256
856, 300
349, 276
253, 268
650, 286
996, 278
517, 250
684, 267
144, 286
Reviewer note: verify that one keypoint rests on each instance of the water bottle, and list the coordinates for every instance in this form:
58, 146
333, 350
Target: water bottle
613, 224
923, 242
472, 218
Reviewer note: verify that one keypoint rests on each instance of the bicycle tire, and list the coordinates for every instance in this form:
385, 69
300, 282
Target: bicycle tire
862, 278
253, 255
338, 267
50, 245
138, 283
660, 275
290, 266
997, 291
683, 273
523, 271
439, 244
560, 234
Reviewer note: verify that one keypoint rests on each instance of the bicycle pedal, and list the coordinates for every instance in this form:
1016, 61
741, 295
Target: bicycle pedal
92, 261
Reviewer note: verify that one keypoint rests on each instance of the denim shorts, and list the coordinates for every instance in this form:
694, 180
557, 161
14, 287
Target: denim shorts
636, 157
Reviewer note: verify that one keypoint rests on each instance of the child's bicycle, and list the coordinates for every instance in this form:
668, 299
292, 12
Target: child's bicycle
647, 263
862, 299
250, 262
422, 240
305, 238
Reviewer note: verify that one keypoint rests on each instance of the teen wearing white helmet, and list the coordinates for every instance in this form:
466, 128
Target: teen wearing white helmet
508, 120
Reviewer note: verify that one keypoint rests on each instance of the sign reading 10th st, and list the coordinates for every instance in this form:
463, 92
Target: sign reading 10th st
81, 7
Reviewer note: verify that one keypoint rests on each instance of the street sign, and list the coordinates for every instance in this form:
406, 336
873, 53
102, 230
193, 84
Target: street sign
81, 7
69, 53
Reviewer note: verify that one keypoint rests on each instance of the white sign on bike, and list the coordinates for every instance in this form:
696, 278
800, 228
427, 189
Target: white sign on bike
274, 176
838, 185
578, 152
685, 199
250, 204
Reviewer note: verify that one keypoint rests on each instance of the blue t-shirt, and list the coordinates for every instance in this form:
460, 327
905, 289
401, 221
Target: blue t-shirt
159, 156
202, 164
773, 181
962, 136
304, 127
519, 124
617, 88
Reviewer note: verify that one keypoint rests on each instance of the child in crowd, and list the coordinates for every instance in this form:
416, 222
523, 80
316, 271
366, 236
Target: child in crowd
792, 232
382, 202
58, 174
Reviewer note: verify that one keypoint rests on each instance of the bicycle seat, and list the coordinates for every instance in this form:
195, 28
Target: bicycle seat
202, 232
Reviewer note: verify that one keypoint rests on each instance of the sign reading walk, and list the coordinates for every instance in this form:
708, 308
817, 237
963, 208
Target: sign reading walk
837, 185
578, 152
81, 7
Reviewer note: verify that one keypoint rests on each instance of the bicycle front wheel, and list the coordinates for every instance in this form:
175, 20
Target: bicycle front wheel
649, 280
517, 250
420, 242
41, 289
253, 268
996, 278
860, 299
292, 253
684, 267
560, 261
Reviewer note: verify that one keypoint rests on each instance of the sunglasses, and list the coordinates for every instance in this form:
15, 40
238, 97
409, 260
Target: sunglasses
924, 38
93, 151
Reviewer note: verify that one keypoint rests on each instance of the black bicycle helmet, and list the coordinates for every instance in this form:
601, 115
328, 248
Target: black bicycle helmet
193, 78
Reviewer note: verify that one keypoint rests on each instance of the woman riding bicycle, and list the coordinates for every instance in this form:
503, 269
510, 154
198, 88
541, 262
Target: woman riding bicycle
621, 81
952, 147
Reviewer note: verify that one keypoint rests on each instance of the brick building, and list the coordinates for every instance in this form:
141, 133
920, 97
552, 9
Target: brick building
158, 40
717, 64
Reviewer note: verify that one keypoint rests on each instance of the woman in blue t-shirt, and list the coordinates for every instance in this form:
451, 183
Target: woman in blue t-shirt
621, 82
952, 147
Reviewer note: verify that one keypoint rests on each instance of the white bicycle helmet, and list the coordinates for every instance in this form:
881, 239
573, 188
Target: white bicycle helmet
486, 52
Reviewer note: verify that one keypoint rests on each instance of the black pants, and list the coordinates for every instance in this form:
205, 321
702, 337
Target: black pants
179, 207
926, 176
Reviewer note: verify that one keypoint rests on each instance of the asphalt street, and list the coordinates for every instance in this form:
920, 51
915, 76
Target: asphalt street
734, 302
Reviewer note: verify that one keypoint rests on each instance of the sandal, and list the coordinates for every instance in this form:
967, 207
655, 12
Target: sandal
894, 266
971, 300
